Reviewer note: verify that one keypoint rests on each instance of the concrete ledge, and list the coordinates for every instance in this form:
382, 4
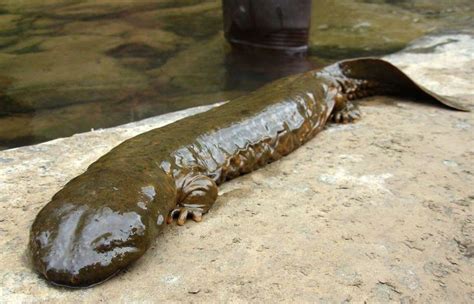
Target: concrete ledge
376, 211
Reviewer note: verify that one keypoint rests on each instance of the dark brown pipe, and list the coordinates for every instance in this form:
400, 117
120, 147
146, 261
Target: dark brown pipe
278, 25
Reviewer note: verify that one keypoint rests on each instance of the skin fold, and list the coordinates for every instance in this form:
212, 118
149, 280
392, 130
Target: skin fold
106, 218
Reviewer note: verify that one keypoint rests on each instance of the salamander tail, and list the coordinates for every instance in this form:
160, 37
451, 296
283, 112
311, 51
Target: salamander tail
379, 77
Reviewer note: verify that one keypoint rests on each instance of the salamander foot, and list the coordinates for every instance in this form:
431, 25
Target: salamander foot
197, 193
183, 213
349, 112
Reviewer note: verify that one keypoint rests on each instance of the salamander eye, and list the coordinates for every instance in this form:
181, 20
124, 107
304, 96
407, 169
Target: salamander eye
42, 239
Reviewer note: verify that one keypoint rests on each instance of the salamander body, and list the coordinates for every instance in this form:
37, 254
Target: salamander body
106, 218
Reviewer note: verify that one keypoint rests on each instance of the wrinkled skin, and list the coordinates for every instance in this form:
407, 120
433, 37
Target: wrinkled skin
107, 218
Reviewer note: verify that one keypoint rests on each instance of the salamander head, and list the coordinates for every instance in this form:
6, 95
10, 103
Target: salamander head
81, 242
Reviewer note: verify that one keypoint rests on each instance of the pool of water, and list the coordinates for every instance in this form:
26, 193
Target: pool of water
72, 66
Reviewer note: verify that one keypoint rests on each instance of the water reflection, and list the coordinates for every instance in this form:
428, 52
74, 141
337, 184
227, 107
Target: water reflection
249, 69
70, 66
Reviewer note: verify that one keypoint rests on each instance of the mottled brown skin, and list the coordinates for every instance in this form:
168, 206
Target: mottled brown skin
106, 218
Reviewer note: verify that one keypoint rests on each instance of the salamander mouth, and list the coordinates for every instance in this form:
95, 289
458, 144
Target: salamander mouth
75, 282
75, 274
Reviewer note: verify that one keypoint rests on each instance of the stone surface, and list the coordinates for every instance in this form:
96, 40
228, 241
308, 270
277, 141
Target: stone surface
377, 211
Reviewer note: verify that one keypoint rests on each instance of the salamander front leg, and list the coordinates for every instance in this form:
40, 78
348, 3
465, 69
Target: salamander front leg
345, 111
197, 195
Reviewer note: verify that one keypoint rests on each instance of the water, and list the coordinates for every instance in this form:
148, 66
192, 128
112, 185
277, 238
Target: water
72, 66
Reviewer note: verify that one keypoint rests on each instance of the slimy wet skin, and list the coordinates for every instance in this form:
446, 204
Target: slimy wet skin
106, 218
97, 224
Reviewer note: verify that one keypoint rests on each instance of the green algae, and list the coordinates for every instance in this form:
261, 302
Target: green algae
363, 27
200, 25
33, 48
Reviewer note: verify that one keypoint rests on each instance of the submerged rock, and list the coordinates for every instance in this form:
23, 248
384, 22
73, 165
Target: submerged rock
75, 55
